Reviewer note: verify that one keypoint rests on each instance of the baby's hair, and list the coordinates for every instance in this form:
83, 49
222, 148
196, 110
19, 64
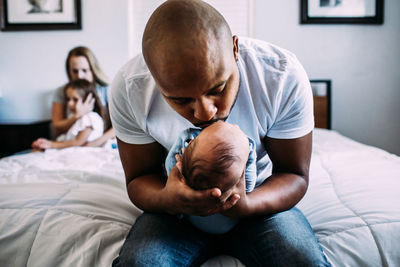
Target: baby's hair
84, 88
200, 171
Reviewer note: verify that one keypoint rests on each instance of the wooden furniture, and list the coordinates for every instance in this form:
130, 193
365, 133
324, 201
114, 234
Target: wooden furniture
18, 137
322, 103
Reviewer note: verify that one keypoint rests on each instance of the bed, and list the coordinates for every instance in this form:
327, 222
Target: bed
70, 207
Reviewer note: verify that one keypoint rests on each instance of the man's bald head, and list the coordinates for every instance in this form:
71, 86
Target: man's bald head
184, 32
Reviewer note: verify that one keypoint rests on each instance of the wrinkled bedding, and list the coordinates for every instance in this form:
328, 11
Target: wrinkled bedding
70, 207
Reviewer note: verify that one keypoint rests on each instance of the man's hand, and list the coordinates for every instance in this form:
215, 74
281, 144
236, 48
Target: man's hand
149, 191
241, 208
179, 198
82, 108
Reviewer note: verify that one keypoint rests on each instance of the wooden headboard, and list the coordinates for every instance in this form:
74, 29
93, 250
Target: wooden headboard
322, 103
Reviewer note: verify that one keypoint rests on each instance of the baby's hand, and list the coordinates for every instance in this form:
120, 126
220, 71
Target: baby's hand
179, 198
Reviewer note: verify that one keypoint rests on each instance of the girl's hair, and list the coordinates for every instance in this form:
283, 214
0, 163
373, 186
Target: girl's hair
84, 88
98, 74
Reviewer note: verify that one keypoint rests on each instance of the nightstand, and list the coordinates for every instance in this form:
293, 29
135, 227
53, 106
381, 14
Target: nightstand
19, 137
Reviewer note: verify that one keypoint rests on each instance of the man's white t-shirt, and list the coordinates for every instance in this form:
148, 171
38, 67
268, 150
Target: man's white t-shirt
274, 100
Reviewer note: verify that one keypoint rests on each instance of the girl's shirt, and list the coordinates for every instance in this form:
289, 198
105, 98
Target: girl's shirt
93, 120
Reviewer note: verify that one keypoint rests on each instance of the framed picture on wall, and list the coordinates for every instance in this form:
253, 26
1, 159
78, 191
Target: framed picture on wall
341, 12
36, 15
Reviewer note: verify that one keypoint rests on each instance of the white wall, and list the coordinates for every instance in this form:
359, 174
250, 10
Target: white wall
236, 12
32, 63
363, 62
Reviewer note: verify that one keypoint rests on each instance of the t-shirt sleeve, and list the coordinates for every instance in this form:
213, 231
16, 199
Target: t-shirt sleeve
97, 124
295, 116
58, 96
170, 160
251, 167
181, 142
78, 126
122, 114
102, 92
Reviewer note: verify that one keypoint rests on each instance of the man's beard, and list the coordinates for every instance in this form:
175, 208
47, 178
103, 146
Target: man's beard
204, 124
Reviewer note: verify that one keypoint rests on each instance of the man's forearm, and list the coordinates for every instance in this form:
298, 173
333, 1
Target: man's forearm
281, 191
150, 198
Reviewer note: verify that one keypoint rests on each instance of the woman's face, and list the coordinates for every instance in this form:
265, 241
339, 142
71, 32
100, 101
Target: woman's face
79, 68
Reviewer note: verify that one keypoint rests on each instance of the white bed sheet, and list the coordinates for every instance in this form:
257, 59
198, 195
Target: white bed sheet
353, 201
70, 207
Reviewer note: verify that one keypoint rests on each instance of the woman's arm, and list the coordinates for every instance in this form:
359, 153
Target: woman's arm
110, 133
60, 123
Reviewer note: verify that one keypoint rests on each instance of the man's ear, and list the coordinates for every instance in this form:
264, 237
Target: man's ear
235, 47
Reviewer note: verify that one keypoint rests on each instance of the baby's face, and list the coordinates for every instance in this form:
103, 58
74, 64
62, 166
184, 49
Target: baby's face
229, 133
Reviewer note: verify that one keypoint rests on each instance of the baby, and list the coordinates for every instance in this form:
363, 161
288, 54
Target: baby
217, 156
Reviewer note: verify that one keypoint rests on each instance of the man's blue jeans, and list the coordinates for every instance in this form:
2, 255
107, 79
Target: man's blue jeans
283, 239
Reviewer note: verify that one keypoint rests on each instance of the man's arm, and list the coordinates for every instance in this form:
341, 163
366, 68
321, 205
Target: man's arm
142, 167
149, 190
288, 182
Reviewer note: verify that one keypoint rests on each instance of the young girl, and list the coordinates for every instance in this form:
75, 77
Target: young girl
87, 128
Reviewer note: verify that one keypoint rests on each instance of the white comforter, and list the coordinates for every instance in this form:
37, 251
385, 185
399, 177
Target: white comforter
70, 207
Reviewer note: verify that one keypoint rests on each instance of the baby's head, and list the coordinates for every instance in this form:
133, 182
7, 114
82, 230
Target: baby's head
217, 157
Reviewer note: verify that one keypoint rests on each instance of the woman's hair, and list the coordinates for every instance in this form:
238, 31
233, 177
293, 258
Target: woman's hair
84, 88
98, 74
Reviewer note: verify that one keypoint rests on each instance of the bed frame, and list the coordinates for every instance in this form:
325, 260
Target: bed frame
322, 103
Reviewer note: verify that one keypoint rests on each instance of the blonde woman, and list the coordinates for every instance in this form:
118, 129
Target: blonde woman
81, 63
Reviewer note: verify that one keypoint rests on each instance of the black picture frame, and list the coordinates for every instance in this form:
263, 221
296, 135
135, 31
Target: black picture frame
321, 88
335, 12
14, 16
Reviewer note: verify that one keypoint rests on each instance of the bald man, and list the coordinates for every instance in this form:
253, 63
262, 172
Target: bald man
193, 72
